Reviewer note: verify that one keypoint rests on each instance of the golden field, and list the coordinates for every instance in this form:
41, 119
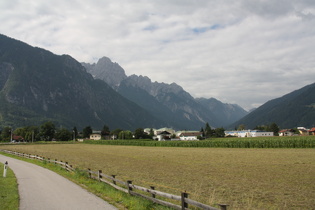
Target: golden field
242, 178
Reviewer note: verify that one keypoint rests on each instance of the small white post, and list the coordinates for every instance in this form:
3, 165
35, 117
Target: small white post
5, 169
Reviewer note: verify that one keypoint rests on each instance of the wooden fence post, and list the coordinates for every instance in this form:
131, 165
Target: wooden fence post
99, 175
55, 161
152, 188
66, 166
184, 204
223, 206
128, 187
114, 180
89, 171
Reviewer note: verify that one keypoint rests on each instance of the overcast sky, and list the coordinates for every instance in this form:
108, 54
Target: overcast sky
238, 51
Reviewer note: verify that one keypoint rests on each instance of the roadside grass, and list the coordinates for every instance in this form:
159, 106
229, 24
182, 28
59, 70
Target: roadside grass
117, 198
9, 195
243, 178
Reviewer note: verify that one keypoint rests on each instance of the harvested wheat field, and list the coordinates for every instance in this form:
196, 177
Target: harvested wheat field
242, 178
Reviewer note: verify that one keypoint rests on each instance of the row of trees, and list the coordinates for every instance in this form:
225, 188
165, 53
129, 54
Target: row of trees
208, 132
48, 132
45, 132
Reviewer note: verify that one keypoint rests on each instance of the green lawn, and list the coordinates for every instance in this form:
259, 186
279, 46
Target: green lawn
9, 195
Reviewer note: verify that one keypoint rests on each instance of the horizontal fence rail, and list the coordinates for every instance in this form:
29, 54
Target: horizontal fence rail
127, 186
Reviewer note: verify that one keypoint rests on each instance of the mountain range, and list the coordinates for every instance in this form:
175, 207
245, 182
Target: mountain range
168, 102
38, 86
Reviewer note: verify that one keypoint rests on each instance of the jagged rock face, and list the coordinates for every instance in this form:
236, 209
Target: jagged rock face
167, 101
155, 88
182, 110
106, 70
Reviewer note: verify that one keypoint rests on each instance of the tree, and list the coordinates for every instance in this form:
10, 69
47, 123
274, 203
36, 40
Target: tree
21, 131
29, 133
208, 131
87, 131
75, 132
47, 131
105, 131
241, 127
32, 133
6, 134
219, 132
202, 131
116, 132
63, 134
140, 134
125, 135
274, 128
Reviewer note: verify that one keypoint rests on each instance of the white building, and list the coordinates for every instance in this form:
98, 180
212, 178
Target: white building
96, 135
186, 136
248, 133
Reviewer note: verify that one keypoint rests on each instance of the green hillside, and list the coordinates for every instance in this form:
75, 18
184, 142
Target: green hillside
37, 85
291, 110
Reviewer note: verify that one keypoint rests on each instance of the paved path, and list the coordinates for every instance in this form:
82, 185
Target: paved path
42, 189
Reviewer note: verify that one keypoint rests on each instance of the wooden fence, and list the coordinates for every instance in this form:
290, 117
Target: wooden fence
127, 186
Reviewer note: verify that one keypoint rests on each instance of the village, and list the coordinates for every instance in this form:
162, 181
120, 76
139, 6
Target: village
169, 134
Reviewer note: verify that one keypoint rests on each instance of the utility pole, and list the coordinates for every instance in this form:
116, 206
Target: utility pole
11, 135
32, 136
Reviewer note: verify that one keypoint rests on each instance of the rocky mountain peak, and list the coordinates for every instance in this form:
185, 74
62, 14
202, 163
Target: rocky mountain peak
112, 73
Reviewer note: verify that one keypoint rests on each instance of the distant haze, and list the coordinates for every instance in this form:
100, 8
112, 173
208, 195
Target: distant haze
244, 52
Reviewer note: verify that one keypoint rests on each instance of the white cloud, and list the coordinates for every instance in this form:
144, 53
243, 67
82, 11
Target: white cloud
240, 52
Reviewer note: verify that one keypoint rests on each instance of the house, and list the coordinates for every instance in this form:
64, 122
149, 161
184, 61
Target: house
248, 133
169, 130
303, 131
186, 136
16, 138
164, 135
96, 135
286, 132
312, 131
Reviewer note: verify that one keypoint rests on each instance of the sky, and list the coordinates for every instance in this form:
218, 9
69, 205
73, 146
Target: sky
243, 52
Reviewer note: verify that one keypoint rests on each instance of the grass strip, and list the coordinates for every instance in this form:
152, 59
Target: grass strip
115, 197
9, 195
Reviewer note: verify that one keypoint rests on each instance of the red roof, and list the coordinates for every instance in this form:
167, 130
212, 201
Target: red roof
18, 138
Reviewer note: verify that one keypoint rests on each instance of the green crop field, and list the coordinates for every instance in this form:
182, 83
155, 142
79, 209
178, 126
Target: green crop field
252, 142
244, 178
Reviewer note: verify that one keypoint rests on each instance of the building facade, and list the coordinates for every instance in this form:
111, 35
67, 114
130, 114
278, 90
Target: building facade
248, 133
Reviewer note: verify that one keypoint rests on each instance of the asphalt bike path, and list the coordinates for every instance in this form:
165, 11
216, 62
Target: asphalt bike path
42, 189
